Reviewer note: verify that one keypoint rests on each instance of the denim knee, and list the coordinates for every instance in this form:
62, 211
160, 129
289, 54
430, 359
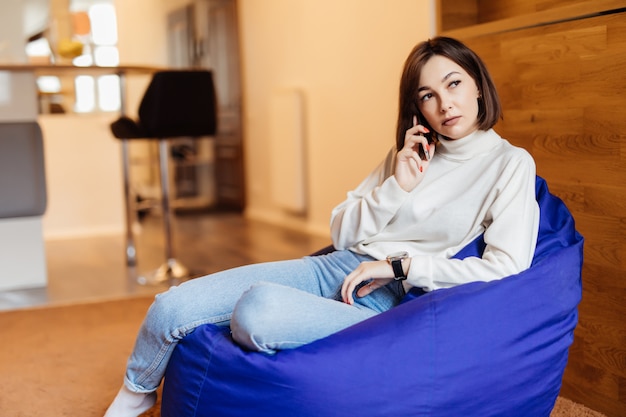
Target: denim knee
163, 316
172, 316
256, 313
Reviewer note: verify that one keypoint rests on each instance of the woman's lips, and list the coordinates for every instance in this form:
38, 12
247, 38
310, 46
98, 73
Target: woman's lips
451, 121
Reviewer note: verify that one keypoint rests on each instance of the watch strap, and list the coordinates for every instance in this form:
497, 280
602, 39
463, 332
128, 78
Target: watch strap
398, 272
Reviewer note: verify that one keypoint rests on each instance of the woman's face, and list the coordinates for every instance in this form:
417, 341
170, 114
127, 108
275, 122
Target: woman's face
447, 97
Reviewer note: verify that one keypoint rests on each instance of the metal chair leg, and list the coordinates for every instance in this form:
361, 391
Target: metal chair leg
171, 269
131, 252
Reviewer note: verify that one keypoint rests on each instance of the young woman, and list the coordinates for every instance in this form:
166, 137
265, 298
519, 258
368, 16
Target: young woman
398, 229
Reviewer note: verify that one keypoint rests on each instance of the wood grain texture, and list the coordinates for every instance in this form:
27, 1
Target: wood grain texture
456, 13
563, 93
492, 16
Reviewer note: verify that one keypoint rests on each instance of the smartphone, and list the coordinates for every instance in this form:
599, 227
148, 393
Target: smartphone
429, 137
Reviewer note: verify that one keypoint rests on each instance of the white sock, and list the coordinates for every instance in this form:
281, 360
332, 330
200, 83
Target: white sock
130, 404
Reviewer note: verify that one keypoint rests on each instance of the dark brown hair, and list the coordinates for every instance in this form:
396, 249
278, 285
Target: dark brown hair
489, 109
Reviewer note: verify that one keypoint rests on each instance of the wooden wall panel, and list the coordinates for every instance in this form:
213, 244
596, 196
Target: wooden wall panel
495, 10
563, 88
457, 13
466, 18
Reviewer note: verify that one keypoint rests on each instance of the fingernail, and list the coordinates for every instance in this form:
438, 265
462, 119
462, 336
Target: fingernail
421, 169
426, 129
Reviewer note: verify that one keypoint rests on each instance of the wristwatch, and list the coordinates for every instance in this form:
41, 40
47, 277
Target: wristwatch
395, 260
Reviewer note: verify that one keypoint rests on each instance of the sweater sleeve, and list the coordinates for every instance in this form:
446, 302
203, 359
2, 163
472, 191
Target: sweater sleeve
511, 228
368, 208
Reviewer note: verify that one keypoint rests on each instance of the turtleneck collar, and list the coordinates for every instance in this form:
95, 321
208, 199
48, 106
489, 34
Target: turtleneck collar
463, 149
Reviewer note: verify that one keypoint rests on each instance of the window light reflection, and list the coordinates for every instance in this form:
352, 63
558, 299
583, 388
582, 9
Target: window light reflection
83, 61
106, 56
85, 96
49, 84
103, 24
109, 93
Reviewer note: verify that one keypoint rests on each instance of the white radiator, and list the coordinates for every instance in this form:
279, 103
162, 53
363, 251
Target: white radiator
287, 151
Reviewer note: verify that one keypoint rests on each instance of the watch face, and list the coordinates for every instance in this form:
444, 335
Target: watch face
397, 256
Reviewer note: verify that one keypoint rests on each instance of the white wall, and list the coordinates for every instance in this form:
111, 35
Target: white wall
346, 56
83, 176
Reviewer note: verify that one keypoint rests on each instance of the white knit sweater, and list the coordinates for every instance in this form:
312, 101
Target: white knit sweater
480, 183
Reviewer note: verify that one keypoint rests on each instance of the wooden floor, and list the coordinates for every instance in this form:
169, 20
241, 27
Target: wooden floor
94, 268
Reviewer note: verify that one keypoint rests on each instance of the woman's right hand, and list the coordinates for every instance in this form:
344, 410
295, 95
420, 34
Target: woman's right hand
410, 168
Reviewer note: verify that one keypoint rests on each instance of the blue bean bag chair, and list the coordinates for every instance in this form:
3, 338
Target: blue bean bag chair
476, 350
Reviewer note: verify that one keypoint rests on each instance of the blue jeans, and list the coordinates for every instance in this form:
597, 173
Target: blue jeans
269, 306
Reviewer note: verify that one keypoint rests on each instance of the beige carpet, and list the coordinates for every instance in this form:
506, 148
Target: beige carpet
69, 360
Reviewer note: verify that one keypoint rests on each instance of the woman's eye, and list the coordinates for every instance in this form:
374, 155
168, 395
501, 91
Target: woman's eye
455, 83
426, 97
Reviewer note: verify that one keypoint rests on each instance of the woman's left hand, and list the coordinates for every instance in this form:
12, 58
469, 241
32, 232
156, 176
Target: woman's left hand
380, 272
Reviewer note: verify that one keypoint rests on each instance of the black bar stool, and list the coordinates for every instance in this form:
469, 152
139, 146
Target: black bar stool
178, 103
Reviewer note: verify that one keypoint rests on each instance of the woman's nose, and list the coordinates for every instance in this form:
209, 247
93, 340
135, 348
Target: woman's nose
445, 105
